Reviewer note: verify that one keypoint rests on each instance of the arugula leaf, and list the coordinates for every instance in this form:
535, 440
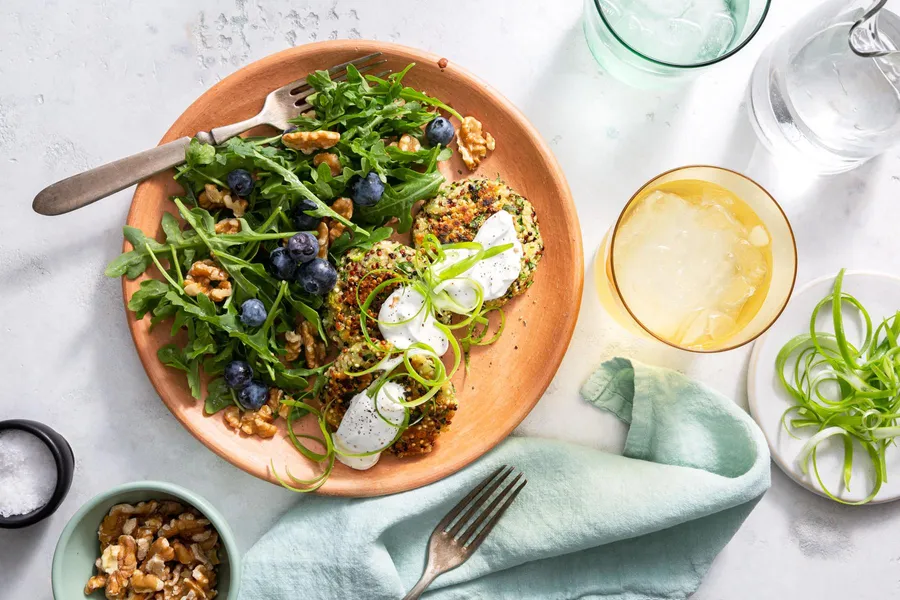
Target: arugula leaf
172, 356
134, 262
218, 396
147, 297
399, 199
198, 154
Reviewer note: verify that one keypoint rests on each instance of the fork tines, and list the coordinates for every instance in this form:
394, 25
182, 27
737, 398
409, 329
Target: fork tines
480, 517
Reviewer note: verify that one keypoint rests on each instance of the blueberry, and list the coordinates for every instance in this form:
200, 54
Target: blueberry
366, 191
290, 128
253, 396
303, 221
439, 131
281, 263
303, 247
253, 312
240, 182
317, 276
238, 374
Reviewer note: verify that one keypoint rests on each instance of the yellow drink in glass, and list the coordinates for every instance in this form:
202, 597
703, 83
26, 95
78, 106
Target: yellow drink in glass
701, 258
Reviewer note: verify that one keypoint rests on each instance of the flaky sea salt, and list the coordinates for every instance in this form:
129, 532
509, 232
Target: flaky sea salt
27, 473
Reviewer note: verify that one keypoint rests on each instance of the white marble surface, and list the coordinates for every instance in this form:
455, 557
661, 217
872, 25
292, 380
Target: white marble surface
84, 83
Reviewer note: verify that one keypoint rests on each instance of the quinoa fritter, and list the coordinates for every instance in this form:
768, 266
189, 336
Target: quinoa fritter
341, 315
427, 420
459, 210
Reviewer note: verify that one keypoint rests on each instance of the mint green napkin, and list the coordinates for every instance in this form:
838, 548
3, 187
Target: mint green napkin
589, 524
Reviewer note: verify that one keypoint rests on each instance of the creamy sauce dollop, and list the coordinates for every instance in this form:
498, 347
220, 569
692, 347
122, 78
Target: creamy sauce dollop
494, 274
407, 304
365, 429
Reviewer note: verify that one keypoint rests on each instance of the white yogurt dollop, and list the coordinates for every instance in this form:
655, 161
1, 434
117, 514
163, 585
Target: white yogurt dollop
406, 304
494, 274
365, 429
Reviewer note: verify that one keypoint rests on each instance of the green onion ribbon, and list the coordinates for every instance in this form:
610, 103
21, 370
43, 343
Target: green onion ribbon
866, 406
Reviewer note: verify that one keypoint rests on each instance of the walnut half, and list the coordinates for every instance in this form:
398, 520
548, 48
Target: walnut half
308, 142
208, 278
473, 142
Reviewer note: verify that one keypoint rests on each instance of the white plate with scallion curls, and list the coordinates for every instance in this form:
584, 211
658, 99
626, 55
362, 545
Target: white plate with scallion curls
824, 386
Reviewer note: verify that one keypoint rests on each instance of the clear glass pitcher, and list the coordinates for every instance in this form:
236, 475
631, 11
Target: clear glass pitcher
827, 93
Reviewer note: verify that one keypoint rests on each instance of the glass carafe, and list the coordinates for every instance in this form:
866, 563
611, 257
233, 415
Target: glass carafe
827, 93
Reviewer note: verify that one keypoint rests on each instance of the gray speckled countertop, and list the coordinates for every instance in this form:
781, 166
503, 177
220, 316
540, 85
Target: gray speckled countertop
82, 83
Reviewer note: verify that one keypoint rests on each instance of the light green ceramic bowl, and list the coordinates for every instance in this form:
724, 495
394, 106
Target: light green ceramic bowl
78, 548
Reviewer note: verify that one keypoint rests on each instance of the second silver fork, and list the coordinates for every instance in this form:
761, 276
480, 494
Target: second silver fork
457, 537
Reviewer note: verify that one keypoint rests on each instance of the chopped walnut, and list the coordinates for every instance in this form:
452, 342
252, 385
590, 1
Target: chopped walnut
343, 207
251, 422
407, 143
208, 278
274, 402
304, 338
143, 583
308, 142
97, 582
313, 350
293, 344
330, 159
322, 237
228, 226
213, 197
473, 142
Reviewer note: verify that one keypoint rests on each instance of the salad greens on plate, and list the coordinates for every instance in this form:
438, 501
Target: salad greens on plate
250, 246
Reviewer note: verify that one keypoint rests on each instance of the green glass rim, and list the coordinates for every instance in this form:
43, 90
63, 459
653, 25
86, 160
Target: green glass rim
656, 61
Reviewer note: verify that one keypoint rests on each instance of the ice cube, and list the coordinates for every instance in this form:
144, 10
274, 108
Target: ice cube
759, 237
750, 262
720, 325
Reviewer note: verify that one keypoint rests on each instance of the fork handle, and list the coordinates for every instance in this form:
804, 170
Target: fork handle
427, 577
84, 188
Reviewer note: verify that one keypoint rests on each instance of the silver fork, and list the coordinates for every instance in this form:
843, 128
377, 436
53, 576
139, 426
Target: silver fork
449, 546
280, 106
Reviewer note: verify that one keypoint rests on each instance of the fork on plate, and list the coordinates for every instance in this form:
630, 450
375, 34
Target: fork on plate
454, 539
281, 105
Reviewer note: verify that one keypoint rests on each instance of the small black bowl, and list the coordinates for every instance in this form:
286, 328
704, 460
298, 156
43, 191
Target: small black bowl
65, 469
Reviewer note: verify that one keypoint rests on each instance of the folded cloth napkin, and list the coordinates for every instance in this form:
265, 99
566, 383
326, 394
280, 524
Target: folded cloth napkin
589, 524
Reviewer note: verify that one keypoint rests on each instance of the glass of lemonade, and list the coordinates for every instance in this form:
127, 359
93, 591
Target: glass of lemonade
701, 258
645, 42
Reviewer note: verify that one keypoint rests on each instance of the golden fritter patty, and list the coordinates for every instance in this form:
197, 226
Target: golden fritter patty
341, 314
460, 209
427, 421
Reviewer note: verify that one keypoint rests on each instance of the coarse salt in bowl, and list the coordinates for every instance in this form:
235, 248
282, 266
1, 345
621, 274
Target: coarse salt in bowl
36, 470
27, 473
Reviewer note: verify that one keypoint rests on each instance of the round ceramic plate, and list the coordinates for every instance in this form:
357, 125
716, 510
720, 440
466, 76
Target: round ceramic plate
880, 294
505, 380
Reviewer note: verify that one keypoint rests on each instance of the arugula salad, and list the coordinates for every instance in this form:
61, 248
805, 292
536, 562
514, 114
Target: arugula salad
254, 245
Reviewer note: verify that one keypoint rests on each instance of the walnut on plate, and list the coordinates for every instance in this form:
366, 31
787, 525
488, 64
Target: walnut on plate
228, 226
330, 159
208, 278
308, 142
473, 142
251, 422
212, 197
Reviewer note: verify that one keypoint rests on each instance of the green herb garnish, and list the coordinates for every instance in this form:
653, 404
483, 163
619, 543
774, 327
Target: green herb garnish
844, 391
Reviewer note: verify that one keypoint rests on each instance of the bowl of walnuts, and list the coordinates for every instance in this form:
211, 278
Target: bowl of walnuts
150, 540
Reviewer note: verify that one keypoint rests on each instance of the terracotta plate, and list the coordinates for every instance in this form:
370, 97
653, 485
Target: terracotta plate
505, 380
